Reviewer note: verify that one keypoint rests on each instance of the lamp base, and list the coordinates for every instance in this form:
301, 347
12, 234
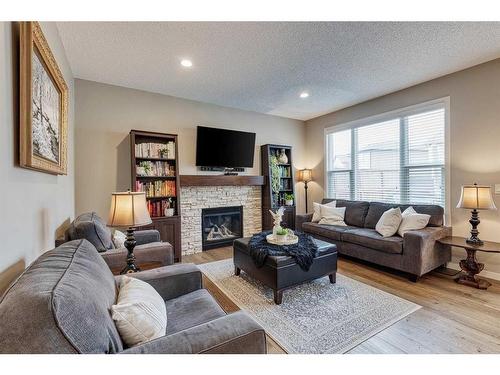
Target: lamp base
474, 241
474, 233
130, 245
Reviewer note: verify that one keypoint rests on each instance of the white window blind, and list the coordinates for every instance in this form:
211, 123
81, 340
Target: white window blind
398, 159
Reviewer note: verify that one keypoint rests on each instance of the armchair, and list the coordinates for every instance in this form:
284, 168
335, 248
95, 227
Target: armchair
148, 251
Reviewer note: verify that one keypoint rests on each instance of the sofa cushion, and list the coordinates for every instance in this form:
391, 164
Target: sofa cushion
370, 238
60, 304
190, 310
355, 211
317, 210
332, 232
91, 227
378, 208
140, 314
389, 222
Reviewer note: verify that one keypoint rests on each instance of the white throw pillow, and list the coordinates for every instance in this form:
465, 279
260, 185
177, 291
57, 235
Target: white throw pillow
140, 314
388, 223
332, 216
119, 239
412, 221
317, 210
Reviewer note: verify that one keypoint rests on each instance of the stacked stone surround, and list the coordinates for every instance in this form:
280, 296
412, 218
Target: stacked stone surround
195, 198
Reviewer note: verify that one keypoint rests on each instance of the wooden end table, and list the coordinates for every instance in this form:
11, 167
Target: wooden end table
471, 266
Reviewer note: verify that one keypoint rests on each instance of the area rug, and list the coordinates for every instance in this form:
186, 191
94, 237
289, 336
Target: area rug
315, 317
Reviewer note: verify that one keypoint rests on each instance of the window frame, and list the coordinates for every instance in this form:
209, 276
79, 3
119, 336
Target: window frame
443, 102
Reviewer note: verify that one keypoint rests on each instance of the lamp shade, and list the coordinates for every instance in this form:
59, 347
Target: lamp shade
305, 175
128, 209
476, 197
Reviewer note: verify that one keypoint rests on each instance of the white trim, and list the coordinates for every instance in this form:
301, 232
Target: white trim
405, 111
447, 160
487, 274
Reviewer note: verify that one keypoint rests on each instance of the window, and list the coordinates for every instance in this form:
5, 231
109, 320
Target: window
397, 158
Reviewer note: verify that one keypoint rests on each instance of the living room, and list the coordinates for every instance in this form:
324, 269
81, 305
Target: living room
250, 187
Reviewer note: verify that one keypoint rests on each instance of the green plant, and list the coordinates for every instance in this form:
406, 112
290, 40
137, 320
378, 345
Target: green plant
275, 174
163, 152
146, 166
288, 196
282, 232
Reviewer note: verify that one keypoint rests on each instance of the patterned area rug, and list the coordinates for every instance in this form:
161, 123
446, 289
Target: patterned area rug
316, 317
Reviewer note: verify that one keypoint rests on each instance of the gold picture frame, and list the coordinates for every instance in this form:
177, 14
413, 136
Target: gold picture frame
43, 104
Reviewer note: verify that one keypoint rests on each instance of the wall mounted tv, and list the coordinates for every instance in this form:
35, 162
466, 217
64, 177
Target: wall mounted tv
224, 148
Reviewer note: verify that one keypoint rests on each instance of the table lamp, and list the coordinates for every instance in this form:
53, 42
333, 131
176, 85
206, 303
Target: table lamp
129, 210
476, 197
305, 175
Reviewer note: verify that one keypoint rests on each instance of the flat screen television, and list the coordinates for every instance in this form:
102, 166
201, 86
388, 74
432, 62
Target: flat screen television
224, 148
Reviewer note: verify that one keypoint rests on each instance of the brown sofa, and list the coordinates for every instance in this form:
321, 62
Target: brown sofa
416, 253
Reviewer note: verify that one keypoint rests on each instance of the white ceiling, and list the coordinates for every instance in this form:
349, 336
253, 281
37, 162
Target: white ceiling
264, 66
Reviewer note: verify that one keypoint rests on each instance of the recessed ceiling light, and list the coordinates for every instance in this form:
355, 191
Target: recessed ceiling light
304, 95
186, 63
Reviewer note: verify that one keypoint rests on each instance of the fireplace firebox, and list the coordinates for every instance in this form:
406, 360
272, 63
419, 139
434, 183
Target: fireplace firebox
220, 226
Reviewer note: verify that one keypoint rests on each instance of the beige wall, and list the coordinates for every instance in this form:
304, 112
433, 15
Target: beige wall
474, 139
105, 114
33, 204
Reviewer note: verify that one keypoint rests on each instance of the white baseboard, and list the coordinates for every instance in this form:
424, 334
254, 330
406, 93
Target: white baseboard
488, 274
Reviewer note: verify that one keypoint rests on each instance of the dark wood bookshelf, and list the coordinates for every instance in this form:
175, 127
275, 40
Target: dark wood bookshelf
270, 200
168, 226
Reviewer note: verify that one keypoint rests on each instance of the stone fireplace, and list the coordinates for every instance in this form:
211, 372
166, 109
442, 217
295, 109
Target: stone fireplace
196, 199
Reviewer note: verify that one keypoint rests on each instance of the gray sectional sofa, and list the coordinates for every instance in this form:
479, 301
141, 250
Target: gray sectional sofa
61, 304
416, 253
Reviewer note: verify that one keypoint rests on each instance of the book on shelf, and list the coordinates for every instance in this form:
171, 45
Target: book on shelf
157, 188
155, 150
155, 169
285, 185
157, 208
285, 171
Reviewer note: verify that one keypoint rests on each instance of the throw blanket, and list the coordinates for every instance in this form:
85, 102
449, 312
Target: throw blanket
303, 252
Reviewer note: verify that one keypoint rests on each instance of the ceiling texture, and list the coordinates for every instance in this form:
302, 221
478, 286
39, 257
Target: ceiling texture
264, 66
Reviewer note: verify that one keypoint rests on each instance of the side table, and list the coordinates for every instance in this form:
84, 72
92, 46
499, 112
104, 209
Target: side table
471, 266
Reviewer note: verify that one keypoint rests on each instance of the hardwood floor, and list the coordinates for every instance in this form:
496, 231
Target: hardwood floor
453, 319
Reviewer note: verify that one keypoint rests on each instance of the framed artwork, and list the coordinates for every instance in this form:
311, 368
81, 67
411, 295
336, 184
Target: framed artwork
43, 104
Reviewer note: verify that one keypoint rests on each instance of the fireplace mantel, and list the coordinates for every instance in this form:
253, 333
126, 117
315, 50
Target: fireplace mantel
221, 180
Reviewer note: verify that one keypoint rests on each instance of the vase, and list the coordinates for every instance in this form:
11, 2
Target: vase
283, 159
169, 212
289, 202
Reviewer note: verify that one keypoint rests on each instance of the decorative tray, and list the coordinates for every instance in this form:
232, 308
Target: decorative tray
290, 239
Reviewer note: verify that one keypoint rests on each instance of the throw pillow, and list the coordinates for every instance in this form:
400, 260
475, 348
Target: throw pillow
140, 314
332, 216
412, 221
317, 210
119, 239
388, 223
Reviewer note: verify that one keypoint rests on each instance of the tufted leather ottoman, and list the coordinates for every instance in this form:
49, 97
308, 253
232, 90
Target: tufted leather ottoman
281, 272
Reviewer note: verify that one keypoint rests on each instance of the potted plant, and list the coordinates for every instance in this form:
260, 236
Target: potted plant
143, 169
275, 178
164, 153
288, 199
281, 234
169, 209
